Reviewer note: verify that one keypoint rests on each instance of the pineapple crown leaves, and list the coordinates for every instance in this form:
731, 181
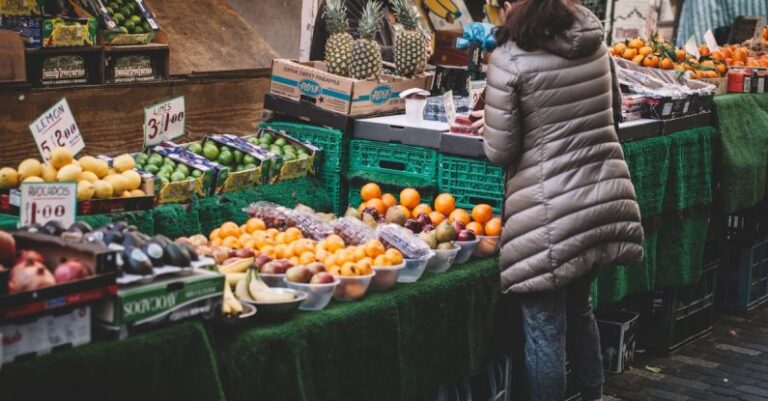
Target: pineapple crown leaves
406, 15
335, 16
371, 20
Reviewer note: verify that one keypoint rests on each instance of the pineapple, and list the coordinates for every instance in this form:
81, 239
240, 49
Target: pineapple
410, 46
366, 55
338, 47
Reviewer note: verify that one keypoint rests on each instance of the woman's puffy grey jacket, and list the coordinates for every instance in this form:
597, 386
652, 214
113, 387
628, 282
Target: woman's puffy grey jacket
569, 203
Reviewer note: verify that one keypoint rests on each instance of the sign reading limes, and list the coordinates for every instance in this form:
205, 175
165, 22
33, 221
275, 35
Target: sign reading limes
164, 121
56, 128
42, 202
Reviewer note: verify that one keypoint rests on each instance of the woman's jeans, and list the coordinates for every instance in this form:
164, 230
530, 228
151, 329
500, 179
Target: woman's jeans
548, 319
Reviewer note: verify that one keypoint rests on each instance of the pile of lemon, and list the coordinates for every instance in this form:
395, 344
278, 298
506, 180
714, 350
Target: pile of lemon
95, 178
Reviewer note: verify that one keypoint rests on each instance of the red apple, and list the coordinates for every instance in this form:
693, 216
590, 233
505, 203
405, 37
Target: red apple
7, 247
71, 270
322, 278
459, 225
298, 274
316, 267
466, 235
244, 253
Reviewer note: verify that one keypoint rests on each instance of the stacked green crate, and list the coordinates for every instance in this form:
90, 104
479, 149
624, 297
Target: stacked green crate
471, 182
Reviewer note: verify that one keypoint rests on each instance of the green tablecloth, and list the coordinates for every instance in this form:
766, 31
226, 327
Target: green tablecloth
174, 363
743, 123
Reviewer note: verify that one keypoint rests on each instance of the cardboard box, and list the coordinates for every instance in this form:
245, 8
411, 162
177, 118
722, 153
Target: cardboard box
185, 191
288, 169
395, 129
310, 82
102, 261
42, 334
164, 300
617, 338
21, 7
29, 28
111, 32
60, 32
462, 145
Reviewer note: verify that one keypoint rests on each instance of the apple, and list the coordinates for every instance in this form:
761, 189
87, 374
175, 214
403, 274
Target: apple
413, 225
424, 219
459, 225
244, 253
7, 247
71, 270
322, 278
298, 274
466, 235
316, 267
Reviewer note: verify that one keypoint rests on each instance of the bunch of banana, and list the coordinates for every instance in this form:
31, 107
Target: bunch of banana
252, 288
235, 265
231, 305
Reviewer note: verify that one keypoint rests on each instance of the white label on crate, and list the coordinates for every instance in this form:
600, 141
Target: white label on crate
709, 37
747, 84
42, 202
667, 110
450, 108
164, 121
57, 128
760, 84
686, 106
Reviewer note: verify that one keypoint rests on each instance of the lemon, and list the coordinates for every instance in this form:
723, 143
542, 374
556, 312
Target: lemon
85, 190
89, 163
29, 168
50, 173
118, 182
138, 192
100, 168
89, 176
9, 178
133, 179
123, 163
70, 172
33, 178
60, 157
126, 194
102, 189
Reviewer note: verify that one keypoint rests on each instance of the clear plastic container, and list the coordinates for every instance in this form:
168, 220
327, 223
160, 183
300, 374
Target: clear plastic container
318, 295
353, 231
386, 277
273, 280
466, 251
414, 268
408, 244
443, 259
487, 247
352, 288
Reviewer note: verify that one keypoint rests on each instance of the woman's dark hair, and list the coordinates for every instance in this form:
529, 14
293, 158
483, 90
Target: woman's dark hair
530, 22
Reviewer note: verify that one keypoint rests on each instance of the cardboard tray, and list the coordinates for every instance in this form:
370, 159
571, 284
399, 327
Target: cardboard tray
308, 113
101, 285
462, 145
395, 129
287, 170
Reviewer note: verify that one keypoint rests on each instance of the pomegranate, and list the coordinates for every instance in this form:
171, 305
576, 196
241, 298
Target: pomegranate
7, 247
29, 275
71, 270
29, 255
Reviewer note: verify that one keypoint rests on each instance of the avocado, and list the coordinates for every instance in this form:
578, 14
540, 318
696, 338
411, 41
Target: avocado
155, 252
81, 226
190, 251
162, 240
114, 237
53, 227
174, 256
136, 262
132, 239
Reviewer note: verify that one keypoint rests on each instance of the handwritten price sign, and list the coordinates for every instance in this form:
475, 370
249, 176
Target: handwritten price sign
57, 128
42, 202
164, 121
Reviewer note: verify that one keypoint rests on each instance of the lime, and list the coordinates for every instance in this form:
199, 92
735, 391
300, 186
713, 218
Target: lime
254, 140
152, 169
178, 176
118, 17
267, 138
146, 26
248, 159
164, 174
303, 151
289, 156
136, 19
138, 30
225, 158
166, 169
118, 2
211, 152
196, 148
182, 168
289, 149
281, 142
169, 162
303, 156
238, 156
249, 166
110, 10
125, 11
196, 173
113, 5
155, 160
129, 25
276, 149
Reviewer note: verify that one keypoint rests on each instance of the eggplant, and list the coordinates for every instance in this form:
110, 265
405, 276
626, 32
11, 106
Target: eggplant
174, 256
155, 252
136, 262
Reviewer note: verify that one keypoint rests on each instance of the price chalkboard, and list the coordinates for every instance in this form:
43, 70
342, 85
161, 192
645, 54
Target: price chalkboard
745, 28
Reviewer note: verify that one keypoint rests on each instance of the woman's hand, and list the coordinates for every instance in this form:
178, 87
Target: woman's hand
479, 125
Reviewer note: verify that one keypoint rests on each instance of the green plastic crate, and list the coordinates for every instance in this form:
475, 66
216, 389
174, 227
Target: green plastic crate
427, 192
336, 186
334, 146
390, 158
471, 182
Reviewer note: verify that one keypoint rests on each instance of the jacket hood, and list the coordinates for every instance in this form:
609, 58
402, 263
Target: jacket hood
584, 38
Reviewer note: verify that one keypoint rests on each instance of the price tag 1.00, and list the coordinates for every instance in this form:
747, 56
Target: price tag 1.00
42, 202
57, 128
164, 121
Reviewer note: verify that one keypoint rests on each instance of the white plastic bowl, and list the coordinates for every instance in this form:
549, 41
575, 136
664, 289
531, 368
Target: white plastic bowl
487, 247
318, 295
414, 268
352, 288
443, 259
465, 253
386, 277
273, 280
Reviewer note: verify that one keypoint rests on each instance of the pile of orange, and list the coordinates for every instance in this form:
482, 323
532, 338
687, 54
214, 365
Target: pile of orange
657, 53
290, 244
480, 220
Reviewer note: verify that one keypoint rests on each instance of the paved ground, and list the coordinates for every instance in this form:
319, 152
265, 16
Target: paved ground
730, 364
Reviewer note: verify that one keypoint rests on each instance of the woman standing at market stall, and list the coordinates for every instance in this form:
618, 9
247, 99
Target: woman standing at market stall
570, 206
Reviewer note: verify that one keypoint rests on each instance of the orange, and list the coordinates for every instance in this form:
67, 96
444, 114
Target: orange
680, 55
214, 234
289, 251
740, 54
389, 200
303, 245
476, 228
250, 244
374, 248
666, 64
410, 198
718, 56
370, 191
638, 59
727, 52
405, 210
335, 270
268, 250
229, 229
320, 255
738, 63
293, 234
618, 49
381, 260
306, 258
751, 62
216, 241
482, 213
645, 50
344, 256
704, 51
651, 61
445, 203
330, 260
421, 209
722, 68
333, 243
244, 238
361, 207
436, 217
281, 238
231, 242
348, 269
394, 256
242, 229
272, 232
493, 227
364, 265
459, 215
255, 224
629, 53
377, 204
359, 252
294, 260
636, 43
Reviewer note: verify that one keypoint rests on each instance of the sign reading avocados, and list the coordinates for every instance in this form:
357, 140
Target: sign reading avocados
164, 121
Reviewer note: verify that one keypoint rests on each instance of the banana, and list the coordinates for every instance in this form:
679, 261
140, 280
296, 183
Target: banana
231, 305
241, 290
233, 278
255, 285
236, 266
235, 306
273, 297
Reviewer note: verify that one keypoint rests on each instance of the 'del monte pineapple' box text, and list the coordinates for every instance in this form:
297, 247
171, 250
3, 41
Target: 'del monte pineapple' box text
310, 82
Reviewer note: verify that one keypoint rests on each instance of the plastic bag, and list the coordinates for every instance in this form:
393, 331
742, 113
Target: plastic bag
353, 231
273, 215
403, 240
308, 223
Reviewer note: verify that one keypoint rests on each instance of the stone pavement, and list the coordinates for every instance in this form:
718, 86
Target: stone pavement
730, 364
